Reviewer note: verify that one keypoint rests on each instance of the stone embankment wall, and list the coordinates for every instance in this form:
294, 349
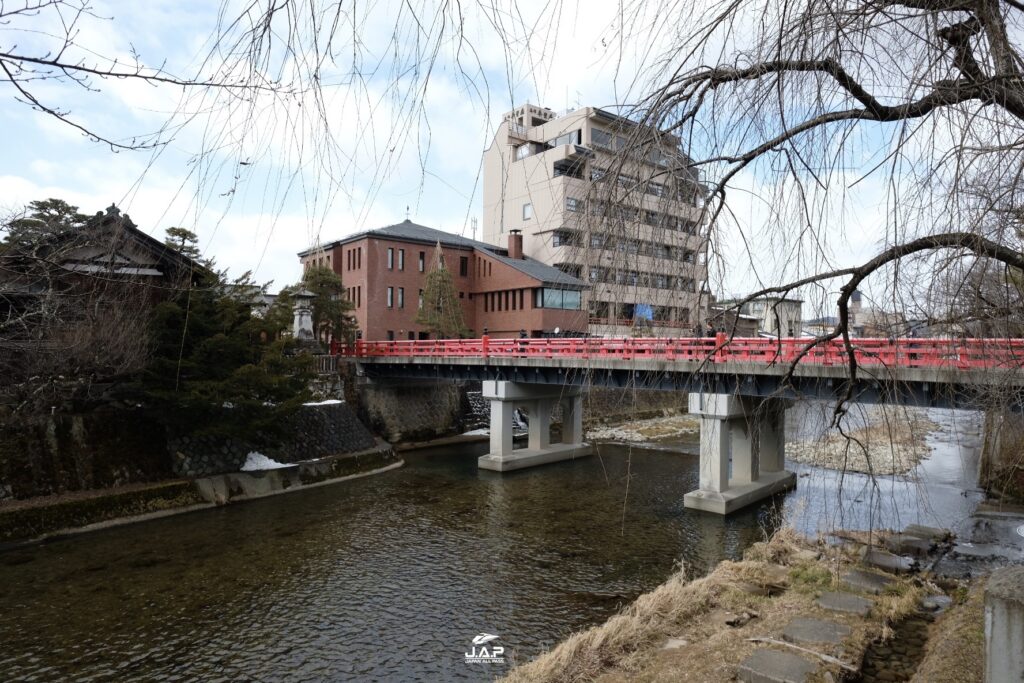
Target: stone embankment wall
100, 449
410, 410
1002, 455
602, 405
315, 431
117, 447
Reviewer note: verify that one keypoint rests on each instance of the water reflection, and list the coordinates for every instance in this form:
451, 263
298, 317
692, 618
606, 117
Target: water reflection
385, 578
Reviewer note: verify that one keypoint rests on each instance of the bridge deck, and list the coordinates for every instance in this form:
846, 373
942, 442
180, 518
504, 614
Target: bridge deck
943, 372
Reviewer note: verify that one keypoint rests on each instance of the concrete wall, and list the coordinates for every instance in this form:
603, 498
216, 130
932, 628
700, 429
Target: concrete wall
408, 410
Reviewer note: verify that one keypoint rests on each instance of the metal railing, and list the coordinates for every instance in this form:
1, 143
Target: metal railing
961, 354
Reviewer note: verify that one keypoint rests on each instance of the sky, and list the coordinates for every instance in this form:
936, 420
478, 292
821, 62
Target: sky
399, 131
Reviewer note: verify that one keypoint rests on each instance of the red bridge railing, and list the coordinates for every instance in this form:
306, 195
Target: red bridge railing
906, 353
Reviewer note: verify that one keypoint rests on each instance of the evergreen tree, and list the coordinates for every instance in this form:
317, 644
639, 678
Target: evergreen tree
441, 312
185, 242
214, 369
43, 217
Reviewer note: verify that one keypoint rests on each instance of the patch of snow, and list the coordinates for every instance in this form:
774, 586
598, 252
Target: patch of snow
257, 461
328, 402
477, 432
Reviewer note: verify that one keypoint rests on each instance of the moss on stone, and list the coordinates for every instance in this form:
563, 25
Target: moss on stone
25, 522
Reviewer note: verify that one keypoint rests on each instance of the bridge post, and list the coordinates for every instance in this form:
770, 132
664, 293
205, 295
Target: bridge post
572, 419
540, 424
741, 451
539, 399
501, 427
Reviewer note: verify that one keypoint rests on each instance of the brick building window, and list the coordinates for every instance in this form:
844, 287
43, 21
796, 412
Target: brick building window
391, 258
464, 266
423, 261
391, 297
401, 297
401, 259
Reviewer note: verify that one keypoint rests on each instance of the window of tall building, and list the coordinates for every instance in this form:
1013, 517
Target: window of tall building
391, 297
596, 240
563, 238
391, 258
572, 204
549, 297
401, 259
523, 151
391, 335
527, 211
423, 261
464, 266
602, 139
401, 297
420, 303
570, 138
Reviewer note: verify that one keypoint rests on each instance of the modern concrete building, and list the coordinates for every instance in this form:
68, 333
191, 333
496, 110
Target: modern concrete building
778, 316
606, 200
500, 290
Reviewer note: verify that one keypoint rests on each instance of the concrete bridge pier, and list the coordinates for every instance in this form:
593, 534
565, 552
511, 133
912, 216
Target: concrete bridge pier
538, 400
742, 450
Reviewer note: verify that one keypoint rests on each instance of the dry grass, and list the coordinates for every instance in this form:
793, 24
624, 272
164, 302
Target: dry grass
956, 644
653, 429
628, 646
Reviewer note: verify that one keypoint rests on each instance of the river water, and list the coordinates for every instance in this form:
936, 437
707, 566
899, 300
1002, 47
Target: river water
390, 577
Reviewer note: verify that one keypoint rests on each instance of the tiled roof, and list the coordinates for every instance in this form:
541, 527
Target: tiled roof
413, 232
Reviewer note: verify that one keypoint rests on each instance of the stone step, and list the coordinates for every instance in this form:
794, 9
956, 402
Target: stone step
886, 561
868, 582
772, 666
845, 602
930, 533
907, 544
810, 630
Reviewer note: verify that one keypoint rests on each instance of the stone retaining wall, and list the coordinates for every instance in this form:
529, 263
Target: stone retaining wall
115, 447
314, 431
101, 449
410, 410
602, 404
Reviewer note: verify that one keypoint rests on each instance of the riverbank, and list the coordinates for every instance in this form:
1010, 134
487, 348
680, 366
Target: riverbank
40, 518
775, 607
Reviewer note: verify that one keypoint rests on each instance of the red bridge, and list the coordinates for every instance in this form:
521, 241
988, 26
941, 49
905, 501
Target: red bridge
740, 388
962, 354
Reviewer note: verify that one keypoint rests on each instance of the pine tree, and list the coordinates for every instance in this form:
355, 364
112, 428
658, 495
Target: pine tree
183, 241
43, 218
441, 312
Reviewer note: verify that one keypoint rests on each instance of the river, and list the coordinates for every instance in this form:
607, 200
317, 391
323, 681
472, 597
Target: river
390, 577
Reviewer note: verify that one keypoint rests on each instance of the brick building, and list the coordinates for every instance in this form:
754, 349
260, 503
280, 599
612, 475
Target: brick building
500, 290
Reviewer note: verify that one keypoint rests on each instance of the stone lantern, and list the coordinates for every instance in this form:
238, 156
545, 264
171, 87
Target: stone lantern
302, 325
